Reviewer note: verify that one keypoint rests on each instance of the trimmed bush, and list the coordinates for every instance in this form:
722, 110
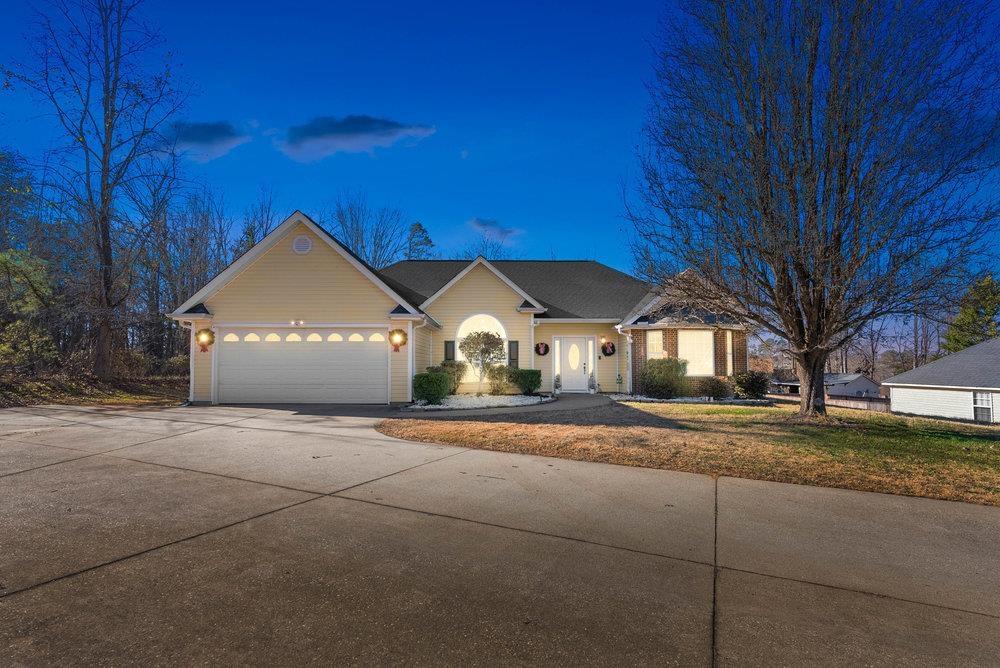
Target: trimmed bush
713, 387
431, 387
751, 384
178, 365
499, 377
663, 378
455, 371
527, 380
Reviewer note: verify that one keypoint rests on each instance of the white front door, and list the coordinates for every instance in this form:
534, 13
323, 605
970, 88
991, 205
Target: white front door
574, 368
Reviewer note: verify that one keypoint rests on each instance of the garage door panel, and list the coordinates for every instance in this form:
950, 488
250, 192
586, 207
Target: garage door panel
303, 371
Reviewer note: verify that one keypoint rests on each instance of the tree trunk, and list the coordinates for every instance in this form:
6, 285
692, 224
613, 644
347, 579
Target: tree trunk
812, 393
102, 348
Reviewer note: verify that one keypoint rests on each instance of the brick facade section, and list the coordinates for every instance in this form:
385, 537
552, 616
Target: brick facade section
741, 355
670, 343
638, 358
720, 351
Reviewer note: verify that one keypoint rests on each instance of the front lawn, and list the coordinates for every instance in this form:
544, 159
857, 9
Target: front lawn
852, 449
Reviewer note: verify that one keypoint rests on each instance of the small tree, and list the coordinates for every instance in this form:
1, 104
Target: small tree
482, 350
418, 243
978, 316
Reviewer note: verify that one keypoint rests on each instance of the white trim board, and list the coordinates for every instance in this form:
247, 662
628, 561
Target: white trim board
570, 321
472, 265
267, 243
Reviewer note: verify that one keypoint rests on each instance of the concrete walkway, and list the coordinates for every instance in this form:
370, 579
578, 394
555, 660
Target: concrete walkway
223, 534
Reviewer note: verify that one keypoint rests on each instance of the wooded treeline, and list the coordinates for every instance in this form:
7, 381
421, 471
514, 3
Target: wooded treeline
104, 234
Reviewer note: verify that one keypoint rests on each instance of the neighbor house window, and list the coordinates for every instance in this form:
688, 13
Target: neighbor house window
982, 406
697, 346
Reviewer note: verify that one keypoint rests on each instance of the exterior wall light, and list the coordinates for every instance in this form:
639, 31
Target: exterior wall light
204, 338
397, 338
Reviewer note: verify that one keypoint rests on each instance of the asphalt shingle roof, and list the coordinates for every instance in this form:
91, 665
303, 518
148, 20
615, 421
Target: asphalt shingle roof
976, 366
566, 288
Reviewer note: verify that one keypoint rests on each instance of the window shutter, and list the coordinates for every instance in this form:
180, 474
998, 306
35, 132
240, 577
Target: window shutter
449, 351
512, 354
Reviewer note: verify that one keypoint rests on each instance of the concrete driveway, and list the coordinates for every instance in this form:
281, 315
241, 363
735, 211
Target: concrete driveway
224, 534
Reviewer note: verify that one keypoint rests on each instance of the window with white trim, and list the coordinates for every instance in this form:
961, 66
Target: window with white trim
982, 407
697, 347
481, 322
654, 344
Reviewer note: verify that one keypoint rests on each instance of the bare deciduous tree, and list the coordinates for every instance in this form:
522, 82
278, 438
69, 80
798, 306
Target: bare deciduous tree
818, 164
91, 71
375, 234
258, 220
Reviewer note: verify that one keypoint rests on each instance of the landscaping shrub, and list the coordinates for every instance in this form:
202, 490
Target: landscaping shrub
751, 384
455, 371
663, 378
713, 387
499, 377
431, 387
527, 380
178, 365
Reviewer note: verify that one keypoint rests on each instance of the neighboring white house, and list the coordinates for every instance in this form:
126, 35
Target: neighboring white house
962, 386
838, 385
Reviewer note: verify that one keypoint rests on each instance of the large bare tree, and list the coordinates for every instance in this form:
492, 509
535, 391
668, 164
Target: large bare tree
818, 163
375, 234
93, 70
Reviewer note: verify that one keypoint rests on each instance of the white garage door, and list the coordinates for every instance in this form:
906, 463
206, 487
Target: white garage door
331, 366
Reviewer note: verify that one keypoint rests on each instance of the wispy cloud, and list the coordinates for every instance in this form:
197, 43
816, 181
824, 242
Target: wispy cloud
492, 229
206, 141
326, 135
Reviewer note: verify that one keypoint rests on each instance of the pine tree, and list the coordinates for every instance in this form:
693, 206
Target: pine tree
418, 243
978, 316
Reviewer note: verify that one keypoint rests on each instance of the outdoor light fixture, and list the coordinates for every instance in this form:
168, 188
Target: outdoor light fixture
604, 339
296, 323
397, 338
204, 338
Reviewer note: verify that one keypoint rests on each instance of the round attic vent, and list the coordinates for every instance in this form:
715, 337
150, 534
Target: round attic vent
302, 244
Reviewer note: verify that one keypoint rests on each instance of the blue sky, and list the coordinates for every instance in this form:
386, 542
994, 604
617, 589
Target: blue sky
526, 114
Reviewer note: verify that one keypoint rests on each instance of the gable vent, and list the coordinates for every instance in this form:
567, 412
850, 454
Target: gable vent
302, 244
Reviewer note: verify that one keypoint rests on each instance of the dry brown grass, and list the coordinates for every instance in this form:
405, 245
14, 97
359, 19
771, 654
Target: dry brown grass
853, 449
84, 391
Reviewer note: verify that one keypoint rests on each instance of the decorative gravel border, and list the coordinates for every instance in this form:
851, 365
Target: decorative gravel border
542, 399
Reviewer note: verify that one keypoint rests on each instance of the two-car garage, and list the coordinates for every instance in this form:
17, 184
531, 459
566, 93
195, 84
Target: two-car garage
343, 365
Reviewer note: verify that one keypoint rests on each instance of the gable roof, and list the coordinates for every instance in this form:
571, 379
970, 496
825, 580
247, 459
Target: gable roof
976, 366
481, 261
239, 264
582, 289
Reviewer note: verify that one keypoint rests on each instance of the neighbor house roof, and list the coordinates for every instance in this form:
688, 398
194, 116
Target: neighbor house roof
566, 288
831, 379
976, 366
